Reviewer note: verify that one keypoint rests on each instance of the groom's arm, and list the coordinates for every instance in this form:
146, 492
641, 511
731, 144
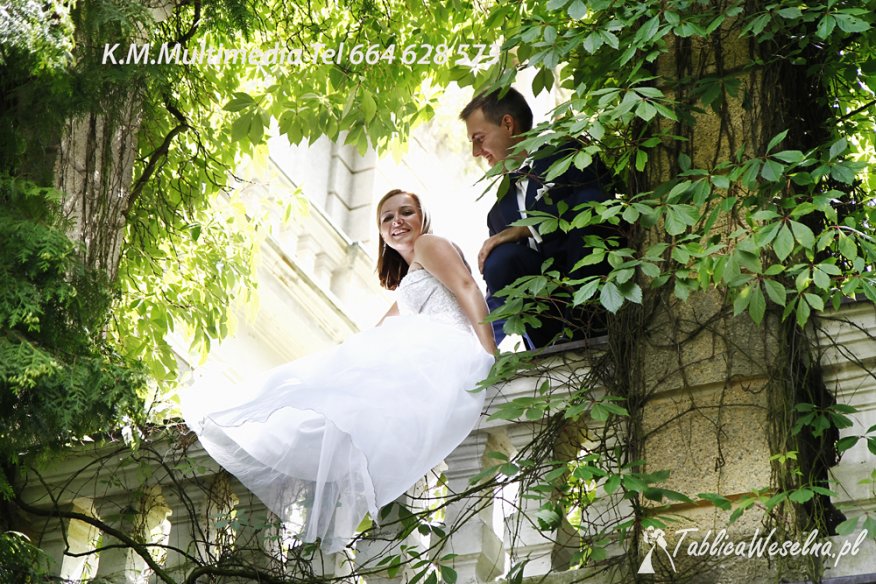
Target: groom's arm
507, 235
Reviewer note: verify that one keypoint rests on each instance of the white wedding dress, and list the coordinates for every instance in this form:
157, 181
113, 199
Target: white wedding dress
327, 438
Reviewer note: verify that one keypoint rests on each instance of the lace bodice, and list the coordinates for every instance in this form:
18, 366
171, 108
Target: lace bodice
421, 293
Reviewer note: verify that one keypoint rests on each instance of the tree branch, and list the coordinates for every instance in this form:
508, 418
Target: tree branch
196, 20
157, 155
140, 549
856, 111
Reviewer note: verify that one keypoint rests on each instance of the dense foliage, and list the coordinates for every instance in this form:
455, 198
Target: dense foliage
59, 378
779, 212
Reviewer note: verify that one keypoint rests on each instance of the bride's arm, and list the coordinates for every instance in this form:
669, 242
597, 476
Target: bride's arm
393, 311
440, 258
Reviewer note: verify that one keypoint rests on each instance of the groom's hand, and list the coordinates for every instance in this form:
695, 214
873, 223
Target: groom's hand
507, 235
486, 249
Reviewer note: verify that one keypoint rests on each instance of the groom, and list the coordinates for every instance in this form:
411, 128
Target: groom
495, 124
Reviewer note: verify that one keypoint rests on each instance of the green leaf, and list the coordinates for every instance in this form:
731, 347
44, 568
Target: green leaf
583, 159
369, 106
820, 278
825, 26
448, 574
803, 234
803, 312
599, 412
847, 247
240, 127
848, 526
850, 24
765, 235
814, 301
611, 298
775, 499
684, 161
612, 483
647, 31
577, 10
632, 292
256, 128
775, 291
772, 170
646, 111
737, 513
239, 102
680, 255
722, 181
641, 160
666, 112
749, 178
649, 269
822, 491
838, 148
802, 280
844, 444
784, 243
558, 168
679, 217
843, 173
776, 139
740, 303
790, 13
789, 156
585, 292
757, 305
801, 495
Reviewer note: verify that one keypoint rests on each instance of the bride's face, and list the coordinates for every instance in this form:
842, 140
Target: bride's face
401, 221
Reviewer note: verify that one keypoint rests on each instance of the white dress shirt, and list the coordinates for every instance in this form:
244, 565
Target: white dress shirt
522, 185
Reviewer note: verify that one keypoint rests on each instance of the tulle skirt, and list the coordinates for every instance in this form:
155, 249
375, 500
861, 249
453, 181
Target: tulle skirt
327, 438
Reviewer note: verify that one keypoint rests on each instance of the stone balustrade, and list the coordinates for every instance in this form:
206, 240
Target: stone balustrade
169, 497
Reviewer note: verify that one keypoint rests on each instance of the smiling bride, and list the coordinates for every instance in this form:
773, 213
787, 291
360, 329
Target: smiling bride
328, 438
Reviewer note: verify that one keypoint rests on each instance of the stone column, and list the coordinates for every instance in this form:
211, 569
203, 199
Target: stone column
707, 421
350, 191
80, 538
848, 373
707, 378
184, 533
480, 556
522, 535
114, 562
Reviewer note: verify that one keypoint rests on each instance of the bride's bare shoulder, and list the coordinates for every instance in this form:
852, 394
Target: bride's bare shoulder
432, 250
432, 242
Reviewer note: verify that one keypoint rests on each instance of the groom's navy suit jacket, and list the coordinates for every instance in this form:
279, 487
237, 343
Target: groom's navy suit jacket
574, 187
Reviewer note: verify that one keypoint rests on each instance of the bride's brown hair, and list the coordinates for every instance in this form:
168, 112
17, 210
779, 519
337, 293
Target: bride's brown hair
391, 267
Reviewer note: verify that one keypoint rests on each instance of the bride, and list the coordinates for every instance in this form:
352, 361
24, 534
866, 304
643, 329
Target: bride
327, 438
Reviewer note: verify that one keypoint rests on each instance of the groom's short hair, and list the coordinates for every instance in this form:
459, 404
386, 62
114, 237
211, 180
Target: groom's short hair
495, 107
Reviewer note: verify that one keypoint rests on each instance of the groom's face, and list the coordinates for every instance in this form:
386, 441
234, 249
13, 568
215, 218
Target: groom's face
490, 140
